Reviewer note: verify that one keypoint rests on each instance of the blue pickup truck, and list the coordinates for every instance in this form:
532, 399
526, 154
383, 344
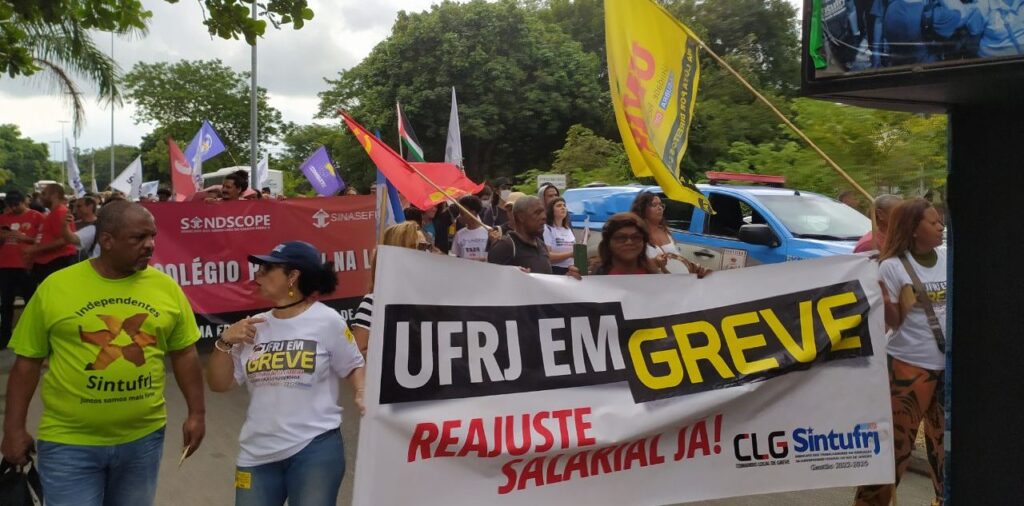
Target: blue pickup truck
752, 224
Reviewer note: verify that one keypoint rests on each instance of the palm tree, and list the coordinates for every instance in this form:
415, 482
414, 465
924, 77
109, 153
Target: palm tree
61, 50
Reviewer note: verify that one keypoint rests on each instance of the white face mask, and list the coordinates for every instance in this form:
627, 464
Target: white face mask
487, 203
505, 194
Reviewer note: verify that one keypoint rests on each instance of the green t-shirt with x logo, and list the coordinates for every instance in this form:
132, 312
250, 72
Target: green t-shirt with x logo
105, 340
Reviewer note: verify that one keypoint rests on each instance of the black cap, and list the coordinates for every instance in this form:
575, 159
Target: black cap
299, 254
14, 197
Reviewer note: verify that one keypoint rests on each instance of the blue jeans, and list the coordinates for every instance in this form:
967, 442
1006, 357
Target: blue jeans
311, 477
119, 475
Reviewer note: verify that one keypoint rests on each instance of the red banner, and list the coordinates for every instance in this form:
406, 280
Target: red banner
205, 248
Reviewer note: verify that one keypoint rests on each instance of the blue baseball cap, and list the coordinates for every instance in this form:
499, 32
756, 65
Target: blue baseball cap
299, 254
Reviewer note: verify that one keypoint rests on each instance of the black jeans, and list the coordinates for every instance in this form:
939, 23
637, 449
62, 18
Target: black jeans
13, 282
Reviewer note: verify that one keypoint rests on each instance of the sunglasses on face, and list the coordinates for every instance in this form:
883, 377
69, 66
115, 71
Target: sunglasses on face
624, 238
424, 246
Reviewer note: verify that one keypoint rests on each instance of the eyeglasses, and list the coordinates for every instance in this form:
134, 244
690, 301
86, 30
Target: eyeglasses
424, 246
623, 239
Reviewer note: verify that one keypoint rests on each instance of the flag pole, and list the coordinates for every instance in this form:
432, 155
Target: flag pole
835, 166
422, 176
398, 111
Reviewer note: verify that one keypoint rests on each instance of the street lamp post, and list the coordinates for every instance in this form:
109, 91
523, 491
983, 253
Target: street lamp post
112, 114
252, 111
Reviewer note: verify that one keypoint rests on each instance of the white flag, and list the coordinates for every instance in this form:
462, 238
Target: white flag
262, 173
92, 185
149, 188
74, 178
129, 181
453, 148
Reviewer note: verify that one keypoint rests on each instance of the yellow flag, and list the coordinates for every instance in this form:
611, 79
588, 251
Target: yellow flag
654, 69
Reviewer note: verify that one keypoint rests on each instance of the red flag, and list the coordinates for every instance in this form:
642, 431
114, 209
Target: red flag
403, 176
449, 177
181, 173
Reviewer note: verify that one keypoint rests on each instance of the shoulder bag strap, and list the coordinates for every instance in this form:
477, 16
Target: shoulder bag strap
922, 298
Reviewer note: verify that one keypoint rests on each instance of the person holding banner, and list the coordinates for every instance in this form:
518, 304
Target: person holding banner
524, 246
558, 236
661, 248
622, 249
290, 359
404, 235
234, 185
913, 270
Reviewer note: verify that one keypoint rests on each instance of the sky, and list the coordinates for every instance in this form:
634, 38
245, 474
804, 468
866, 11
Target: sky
292, 65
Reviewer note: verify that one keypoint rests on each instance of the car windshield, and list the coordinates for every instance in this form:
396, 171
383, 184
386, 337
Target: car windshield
817, 217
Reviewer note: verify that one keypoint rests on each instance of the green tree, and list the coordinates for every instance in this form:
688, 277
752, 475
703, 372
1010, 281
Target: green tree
54, 38
60, 51
585, 158
177, 97
521, 83
765, 31
885, 152
757, 37
23, 161
22, 21
123, 155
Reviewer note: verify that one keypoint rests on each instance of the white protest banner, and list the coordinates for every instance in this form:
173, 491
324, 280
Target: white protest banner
639, 390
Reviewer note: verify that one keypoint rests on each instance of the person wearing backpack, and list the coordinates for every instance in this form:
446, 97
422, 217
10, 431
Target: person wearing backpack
913, 281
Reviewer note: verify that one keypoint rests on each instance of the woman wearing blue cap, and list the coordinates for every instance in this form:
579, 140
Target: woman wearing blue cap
290, 359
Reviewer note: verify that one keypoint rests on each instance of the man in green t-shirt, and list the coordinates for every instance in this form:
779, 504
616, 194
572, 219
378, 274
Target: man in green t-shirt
105, 326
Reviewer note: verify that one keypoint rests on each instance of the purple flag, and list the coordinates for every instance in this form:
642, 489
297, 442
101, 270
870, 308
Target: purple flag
206, 144
320, 171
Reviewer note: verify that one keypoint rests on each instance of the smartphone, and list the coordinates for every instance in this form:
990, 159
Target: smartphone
579, 258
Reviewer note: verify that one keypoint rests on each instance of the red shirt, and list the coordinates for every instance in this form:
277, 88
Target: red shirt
869, 243
52, 229
27, 223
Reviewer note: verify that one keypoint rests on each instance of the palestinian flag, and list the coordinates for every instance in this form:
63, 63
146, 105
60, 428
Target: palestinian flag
407, 138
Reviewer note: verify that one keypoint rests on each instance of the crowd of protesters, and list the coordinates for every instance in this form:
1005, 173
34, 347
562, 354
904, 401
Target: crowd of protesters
57, 255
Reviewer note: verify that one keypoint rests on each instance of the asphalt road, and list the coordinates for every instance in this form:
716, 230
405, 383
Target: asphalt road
208, 477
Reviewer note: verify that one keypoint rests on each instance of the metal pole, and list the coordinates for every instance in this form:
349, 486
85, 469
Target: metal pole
63, 152
253, 126
111, 115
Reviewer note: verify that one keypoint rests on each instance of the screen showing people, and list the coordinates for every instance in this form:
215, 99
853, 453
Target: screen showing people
879, 35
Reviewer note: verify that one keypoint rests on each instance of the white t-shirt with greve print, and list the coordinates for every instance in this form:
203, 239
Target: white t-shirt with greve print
291, 371
913, 342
